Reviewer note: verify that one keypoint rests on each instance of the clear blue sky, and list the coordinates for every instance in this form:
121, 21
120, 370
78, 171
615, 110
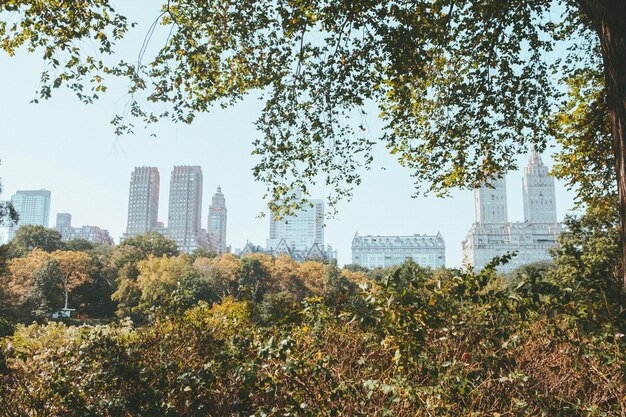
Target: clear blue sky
70, 149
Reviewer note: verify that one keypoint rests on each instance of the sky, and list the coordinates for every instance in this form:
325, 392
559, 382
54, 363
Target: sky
70, 149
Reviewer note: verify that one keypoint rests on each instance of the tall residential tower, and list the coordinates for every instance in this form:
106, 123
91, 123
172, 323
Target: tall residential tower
143, 201
493, 235
490, 203
185, 210
217, 222
538, 189
33, 207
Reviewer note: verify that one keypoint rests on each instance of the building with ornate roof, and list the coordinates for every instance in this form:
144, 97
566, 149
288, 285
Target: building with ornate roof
384, 251
313, 253
493, 235
218, 216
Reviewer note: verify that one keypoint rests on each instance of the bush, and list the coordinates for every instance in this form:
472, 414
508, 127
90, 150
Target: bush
416, 343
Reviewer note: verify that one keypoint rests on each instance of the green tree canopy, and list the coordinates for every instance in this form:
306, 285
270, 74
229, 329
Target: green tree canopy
29, 237
82, 245
151, 243
125, 259
8, 214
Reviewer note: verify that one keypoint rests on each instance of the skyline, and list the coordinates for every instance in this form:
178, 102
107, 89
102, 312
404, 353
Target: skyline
70, 148
345, 255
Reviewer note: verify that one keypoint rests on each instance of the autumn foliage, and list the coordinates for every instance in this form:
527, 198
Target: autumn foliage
263, 336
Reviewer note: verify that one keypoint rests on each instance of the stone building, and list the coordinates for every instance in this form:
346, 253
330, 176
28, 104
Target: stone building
384, 251
493, 235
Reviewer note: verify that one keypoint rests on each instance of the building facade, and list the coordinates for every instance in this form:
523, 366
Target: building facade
384, 251
492, 235
185, 209
93, 234
64, 220
300, 230
218, 216
143, 201
33, 207
313, 253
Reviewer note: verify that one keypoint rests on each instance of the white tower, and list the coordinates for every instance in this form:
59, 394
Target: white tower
538, 189
490, 203
217, 221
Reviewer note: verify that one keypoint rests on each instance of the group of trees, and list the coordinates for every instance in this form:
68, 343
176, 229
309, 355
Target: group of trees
220, 335
261, 336
463, 87
42, 274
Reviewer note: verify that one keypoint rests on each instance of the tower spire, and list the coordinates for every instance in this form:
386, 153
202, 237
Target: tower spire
535, 159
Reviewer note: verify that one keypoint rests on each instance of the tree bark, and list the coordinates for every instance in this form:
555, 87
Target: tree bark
608, 18
65, 283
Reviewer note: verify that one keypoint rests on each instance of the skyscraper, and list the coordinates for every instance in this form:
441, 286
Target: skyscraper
64, 221
538, 189
143, 201
217, 221
301, 229
33, 207
185, 210
492, 235
490, 203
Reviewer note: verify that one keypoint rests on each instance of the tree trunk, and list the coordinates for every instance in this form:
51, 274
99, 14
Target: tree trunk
65, 282
608, 18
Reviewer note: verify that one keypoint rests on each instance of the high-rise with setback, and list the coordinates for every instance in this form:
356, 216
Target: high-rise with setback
185, 209
217, 222
33, 207
143, 201
493, 235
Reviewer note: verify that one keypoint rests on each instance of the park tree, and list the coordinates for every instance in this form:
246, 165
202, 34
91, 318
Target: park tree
29, 237
82, 245
463, 87
94, 297
21, 277
311, 274
286, 277
75, 268
219, 273
125, 259
253, 279
158, 277
32, 279
151, 243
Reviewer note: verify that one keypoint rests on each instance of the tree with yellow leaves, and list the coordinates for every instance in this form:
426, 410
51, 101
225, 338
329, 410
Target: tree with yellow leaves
75, 267
158, 277
39, 267
220, 273
18, 283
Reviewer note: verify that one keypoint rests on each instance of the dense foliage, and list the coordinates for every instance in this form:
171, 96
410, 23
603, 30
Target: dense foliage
462, 87
267, 336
